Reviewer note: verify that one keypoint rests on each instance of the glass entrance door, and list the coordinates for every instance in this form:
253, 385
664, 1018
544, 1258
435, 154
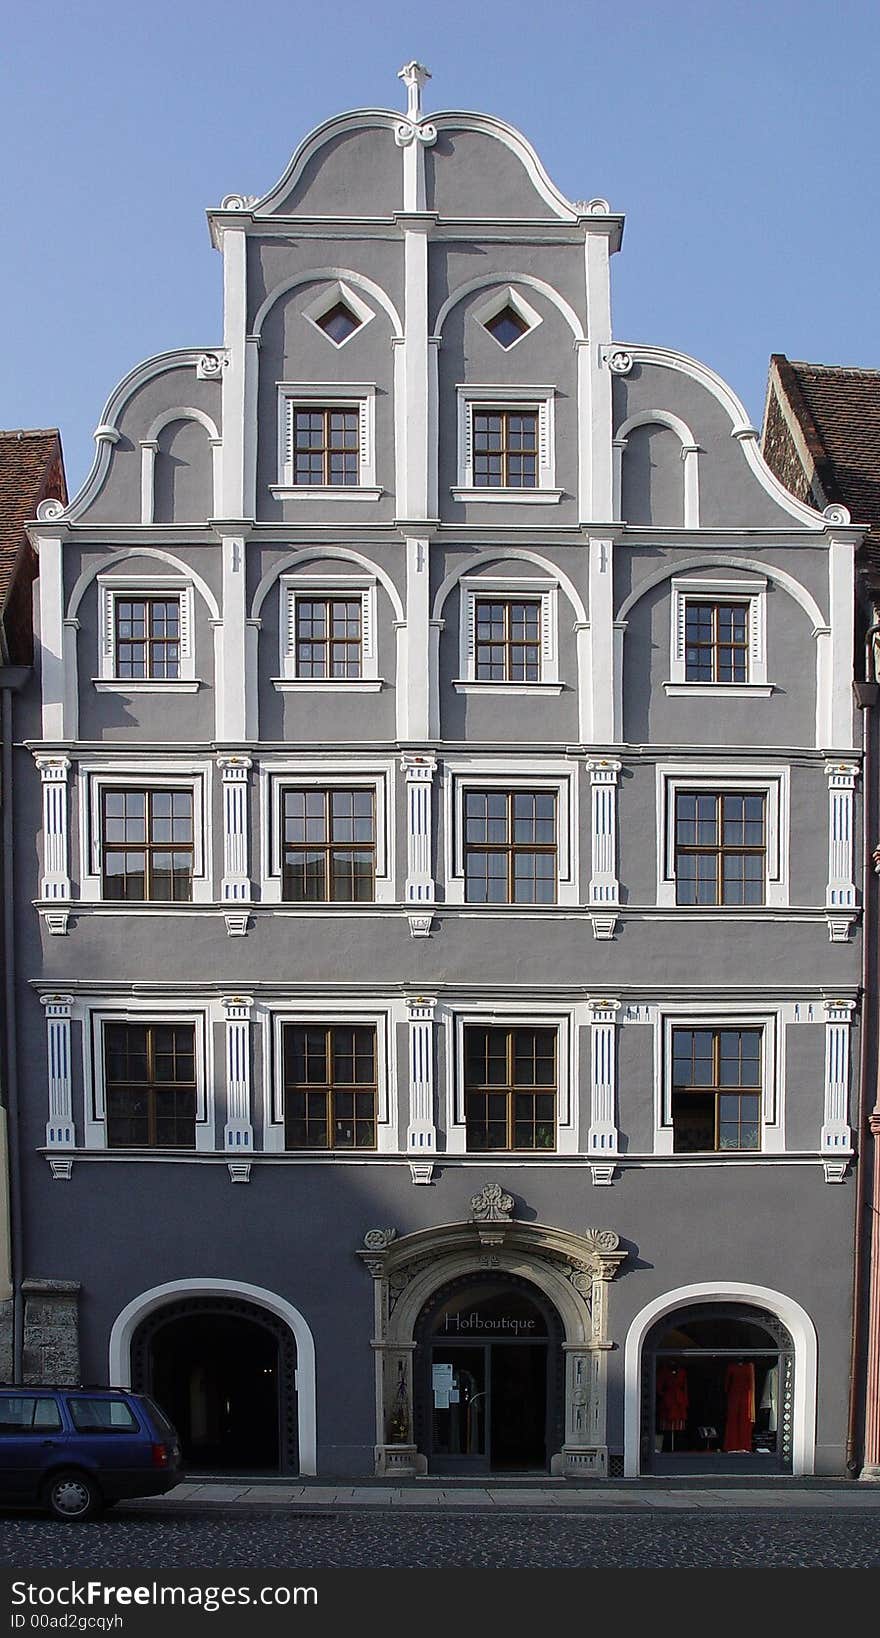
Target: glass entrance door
459, 1396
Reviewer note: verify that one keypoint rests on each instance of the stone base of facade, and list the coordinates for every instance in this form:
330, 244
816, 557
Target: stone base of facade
400, 1461
51, 1331
580, 1462
6, 1364
870, 1473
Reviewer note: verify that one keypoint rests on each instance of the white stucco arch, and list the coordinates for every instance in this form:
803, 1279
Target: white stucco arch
796, 1320
316, 275
127, 1322
308, 554
105, 563
689, 454
183, 412
500, 554
750, 565
529, 279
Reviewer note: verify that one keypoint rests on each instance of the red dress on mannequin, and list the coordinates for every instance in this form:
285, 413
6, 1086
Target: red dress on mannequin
739, 1386
672, 1397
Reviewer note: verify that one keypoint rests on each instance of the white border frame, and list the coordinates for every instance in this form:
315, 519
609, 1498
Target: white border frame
793, 1316
328, 298
324, 1013
341, 395
294, 586
507, 297
537, 590
129, 1318
723, 1015
460, 774
137, 774
512, 1015
541, 399
113, 588
348, 773
132, 1010
752, 591
773, 782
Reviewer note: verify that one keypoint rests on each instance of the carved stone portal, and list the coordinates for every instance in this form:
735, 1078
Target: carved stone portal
573, 1271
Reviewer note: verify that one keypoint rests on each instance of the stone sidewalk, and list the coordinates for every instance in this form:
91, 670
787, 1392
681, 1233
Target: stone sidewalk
615, 1496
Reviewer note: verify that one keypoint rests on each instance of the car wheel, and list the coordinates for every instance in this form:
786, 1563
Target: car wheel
72, 1495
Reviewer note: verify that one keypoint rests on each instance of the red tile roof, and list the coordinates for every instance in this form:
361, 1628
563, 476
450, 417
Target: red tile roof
31, 470
838, 409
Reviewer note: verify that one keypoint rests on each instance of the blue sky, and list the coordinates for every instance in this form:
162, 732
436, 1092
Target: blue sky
738, 138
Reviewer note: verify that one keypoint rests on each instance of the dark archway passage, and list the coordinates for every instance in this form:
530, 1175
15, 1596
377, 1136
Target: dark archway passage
225, 1372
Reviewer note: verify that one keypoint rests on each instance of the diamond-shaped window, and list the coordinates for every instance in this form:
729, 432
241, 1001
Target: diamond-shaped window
507, 326
339, 322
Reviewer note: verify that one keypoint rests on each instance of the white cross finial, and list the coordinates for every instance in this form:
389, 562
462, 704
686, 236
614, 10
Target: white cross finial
414, 76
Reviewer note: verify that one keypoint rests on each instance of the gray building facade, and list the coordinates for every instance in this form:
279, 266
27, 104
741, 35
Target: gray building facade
440, 959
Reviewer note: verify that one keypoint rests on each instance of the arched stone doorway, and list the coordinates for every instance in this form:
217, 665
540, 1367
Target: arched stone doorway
224, 1370
559, 1277
489, 1377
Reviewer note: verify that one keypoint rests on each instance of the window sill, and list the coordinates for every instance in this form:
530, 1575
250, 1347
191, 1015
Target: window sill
326, 491
148, 685
470, 685
328, 685
704, 690
531, 497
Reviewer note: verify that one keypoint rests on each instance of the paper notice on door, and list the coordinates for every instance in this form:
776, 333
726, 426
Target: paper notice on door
441, 1381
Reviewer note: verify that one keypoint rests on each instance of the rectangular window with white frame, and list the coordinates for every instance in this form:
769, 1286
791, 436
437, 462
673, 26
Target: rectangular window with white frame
147, 1074
327, 833
509, 639
328, 634
145, 833
326, 441
720, 1081
510, 838
718, 641
330, 1079
722, 836
146, 635
511, 1081
506, 444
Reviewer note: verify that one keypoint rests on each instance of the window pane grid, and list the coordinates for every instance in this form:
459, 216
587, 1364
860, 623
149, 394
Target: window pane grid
326, 446
510, 847
329, 846
716, 1089
510, 1088
330, 1087
505, 449
720, 847
329, 637
508, 640
147, 638
147, 845
150, 1085
716, 642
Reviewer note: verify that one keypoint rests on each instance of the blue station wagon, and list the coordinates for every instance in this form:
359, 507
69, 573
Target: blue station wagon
75, 1450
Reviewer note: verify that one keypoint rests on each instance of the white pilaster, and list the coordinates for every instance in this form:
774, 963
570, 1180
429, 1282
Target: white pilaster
234, 324
232, 703
416, 682
149, 450
841, 715
413, 503
604, 886
836, 1140
601, 634
236, 886
840, 893
596, 504
602, 1142
251, 397
55, 880
421, 1135
51, 638
60, 1131
238, 1137
419, 774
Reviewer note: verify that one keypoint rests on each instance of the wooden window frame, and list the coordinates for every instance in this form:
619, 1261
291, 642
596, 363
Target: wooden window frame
327, 448
511, 848
508, 643
148, 847
329, 1087
720, 850
511, 1089
328, 601
715, 646
149, 601
716, 1090
150, 1085
328, 847
505, 413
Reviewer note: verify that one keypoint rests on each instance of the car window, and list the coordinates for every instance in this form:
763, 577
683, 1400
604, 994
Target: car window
160, 1420
28, 1413
102, 1415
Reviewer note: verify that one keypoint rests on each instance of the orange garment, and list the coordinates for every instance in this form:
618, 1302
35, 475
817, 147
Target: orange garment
739, 1386
672, 1397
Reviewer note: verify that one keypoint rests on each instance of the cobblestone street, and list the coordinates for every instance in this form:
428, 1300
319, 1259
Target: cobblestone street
380, 1539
